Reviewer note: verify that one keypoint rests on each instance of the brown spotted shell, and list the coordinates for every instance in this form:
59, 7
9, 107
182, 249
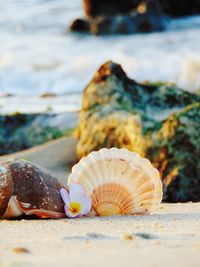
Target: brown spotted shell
6, 189
32, 189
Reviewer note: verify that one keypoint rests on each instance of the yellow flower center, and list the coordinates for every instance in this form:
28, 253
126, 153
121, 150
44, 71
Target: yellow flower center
75, 207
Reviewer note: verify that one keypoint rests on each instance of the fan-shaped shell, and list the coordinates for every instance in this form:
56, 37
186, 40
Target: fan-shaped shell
119, 182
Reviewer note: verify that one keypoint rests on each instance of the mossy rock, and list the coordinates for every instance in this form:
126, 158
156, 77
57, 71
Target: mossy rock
158, 121
22, 131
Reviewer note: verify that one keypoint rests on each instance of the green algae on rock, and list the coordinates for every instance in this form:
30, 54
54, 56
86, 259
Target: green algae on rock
160, 122
178, 142
21, 131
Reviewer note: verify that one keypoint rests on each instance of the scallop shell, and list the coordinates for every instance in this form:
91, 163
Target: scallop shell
118, 182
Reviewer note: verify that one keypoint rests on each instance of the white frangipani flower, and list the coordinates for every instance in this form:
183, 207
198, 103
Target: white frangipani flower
76, 202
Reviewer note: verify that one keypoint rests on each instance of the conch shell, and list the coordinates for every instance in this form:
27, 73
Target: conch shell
26, 188
118, 182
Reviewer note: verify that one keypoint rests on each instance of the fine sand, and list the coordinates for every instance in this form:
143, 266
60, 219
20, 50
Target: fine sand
171, 237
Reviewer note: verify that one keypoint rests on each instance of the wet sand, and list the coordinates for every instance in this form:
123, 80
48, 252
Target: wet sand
171, 237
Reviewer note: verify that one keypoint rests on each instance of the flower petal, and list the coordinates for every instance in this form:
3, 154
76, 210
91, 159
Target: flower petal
65, 196
76, 193
86, 205
71, 214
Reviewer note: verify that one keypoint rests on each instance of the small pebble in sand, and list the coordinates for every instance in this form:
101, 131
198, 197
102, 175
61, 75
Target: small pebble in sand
145, 236
128, 237
157, 243
20, 250
96, 236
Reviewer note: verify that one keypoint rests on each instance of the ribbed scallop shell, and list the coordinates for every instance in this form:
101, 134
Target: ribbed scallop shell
119, 182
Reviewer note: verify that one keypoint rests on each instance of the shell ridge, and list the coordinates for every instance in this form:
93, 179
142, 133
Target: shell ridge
119, 182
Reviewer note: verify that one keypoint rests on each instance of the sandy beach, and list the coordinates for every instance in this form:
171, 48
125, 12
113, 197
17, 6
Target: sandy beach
126, 76
171, 237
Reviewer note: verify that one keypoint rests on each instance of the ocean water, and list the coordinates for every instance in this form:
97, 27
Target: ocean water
39, 55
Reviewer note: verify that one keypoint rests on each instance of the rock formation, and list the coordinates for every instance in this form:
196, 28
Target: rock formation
120, 17
94, 8
131, 16
159, 121
20, 131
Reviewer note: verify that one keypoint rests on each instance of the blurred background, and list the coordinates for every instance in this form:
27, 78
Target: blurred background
51, 49
39, 54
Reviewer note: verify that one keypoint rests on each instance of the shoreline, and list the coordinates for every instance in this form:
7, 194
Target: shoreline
30, 104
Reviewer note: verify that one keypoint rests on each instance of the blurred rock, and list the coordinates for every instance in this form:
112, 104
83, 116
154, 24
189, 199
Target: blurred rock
118, 18
94, 8
176, 153
180, 8
131, 16
80, 25
159, 121
22, 131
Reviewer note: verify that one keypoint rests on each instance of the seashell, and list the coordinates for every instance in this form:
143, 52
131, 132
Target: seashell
6, 189
26, 188
118, 182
